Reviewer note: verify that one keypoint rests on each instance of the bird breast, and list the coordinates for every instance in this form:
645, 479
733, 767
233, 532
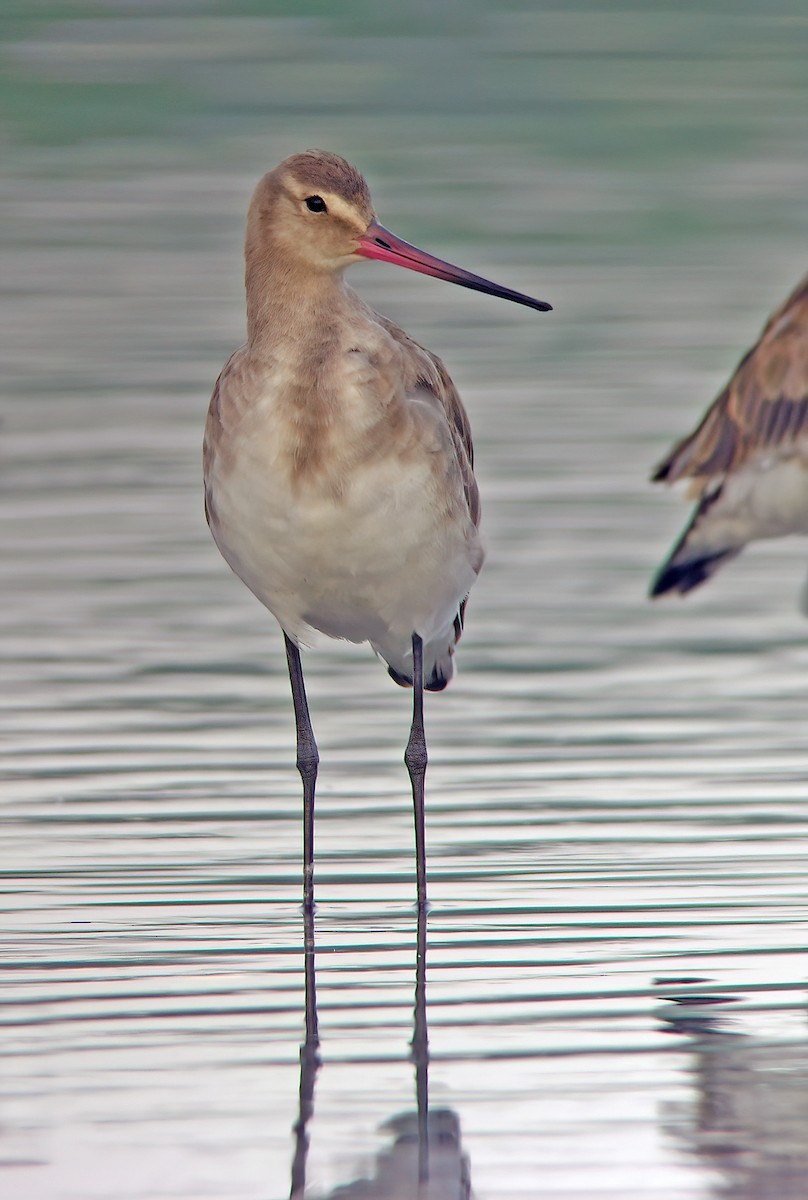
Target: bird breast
328, 485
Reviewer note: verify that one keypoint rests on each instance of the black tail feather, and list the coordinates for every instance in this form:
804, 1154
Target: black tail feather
686, 569
685, 575
436, 682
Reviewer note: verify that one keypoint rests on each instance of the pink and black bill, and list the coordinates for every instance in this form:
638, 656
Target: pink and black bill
380, 243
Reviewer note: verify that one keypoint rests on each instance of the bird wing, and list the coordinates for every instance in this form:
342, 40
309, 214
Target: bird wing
763, 408
429, 374
215, 425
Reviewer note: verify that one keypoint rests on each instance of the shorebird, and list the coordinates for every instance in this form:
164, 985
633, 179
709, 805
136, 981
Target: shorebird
748, 457
338, 456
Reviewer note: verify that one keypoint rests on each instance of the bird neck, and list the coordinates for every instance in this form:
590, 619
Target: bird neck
285, 304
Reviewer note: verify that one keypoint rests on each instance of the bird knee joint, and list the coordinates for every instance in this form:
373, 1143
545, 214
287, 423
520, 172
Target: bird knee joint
307, 762
415, 757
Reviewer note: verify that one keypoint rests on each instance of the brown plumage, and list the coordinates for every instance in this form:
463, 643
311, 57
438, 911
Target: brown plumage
338, 457
747, 460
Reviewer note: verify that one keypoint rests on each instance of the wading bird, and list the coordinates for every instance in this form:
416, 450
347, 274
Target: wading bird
338, 456
748, 457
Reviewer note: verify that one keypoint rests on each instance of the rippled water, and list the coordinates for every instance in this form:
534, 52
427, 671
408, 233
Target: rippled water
615, 979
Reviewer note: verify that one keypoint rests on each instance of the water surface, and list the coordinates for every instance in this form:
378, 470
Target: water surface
617, 820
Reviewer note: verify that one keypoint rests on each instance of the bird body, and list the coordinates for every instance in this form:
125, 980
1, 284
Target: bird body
338, 456
747, 460
340, 487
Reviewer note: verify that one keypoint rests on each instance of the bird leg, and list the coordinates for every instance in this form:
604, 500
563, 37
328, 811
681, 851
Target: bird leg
415, 756
307, 760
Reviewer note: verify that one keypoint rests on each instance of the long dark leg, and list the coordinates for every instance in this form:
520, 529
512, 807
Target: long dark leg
307, 760
415, 757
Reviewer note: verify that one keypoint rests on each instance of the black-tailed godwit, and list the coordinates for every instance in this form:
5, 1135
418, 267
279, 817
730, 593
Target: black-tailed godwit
747, 460
338, 456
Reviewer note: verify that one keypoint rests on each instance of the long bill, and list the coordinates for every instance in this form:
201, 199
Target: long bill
380, 243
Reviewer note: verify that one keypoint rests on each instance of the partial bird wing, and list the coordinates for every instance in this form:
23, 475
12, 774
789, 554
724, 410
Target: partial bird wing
764, 407
219, 414
436, 380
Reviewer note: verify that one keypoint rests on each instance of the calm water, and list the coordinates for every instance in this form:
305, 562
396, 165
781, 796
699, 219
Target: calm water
616, 969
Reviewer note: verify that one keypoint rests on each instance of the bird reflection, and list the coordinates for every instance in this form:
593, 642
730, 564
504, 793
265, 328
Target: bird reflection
750, 1117
425, 1158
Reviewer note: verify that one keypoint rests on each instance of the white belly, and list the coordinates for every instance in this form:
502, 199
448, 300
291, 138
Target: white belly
766, 499
373, 557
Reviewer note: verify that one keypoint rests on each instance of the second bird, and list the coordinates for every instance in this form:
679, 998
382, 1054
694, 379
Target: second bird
338, 456
747, 461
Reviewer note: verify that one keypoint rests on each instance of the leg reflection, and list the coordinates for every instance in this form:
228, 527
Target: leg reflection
420, 1048
309, 1062
423, 1158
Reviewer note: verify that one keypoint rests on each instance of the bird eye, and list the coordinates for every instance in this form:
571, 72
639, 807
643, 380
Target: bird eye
315, 204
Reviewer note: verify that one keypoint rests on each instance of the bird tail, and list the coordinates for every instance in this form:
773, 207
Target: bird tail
691, 562
435, 678
438, 659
